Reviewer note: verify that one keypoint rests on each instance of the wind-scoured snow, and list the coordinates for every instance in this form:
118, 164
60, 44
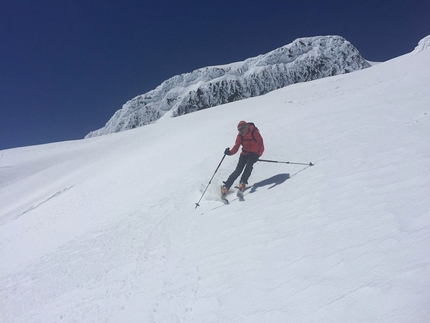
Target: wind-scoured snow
105, 229
303, 60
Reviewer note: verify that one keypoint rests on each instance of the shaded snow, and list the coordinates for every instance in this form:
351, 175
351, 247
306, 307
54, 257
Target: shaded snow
105, 229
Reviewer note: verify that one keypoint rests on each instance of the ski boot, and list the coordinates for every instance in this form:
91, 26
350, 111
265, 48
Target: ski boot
224, 192
241, 190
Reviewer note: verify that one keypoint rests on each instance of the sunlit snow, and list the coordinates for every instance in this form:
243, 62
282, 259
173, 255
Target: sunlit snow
105, 229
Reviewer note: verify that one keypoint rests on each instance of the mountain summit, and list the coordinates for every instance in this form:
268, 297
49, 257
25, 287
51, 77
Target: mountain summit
305, 59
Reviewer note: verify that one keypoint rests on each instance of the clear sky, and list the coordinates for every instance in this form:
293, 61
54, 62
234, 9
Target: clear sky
66, 66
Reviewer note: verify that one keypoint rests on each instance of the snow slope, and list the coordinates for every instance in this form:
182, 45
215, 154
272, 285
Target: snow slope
105, 229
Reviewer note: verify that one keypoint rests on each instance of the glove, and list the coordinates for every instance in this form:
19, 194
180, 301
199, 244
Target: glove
227, 151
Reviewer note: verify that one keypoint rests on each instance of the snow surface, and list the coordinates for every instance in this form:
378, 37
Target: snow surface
106, 230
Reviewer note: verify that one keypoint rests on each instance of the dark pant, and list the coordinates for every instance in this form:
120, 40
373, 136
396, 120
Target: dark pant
245, 161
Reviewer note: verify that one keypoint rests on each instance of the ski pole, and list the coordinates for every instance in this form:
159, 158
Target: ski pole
283, 162
210, 181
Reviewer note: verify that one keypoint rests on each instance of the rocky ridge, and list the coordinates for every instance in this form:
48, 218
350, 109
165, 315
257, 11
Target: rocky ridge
305, 59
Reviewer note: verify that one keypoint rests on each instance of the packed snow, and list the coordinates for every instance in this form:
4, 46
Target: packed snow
106, 230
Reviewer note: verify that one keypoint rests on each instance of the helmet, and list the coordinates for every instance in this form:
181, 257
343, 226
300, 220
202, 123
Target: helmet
242, 124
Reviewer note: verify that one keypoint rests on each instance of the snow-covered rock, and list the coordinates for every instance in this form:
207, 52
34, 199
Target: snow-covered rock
423, 44
303, 60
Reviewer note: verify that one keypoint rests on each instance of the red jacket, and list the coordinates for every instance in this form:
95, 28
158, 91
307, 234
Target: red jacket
252, 142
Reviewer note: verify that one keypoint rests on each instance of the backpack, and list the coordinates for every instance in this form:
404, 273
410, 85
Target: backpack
252, 132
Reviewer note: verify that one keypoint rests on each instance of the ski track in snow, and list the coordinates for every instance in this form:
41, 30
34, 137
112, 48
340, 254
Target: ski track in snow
106, 230
11, 218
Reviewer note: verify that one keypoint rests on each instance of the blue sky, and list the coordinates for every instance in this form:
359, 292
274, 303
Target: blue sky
67, 66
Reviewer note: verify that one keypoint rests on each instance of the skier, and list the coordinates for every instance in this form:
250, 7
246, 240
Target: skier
252, 148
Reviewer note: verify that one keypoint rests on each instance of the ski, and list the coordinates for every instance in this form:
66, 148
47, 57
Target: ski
239, 195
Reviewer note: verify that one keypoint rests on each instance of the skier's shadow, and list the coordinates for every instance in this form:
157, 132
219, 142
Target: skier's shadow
273, 181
